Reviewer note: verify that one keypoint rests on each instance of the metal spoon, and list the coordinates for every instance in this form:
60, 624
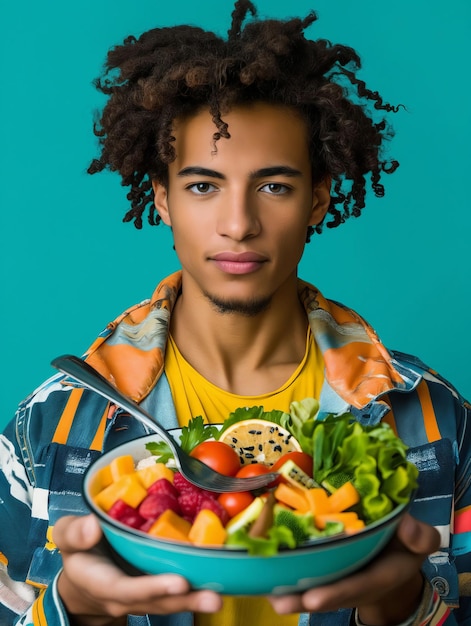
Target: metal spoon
194, 470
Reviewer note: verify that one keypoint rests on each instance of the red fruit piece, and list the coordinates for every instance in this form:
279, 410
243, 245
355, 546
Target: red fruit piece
119, 509
126, 514
162, 485
235, 502
181, 484
215, 507
145, 527
156, 503
189, 502
134, 520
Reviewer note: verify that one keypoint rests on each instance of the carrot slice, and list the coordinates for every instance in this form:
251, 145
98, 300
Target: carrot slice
354, 526
318, 500
293, 497
343, 498
345, 518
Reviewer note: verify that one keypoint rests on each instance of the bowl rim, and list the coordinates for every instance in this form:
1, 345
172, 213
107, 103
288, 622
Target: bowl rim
375, 526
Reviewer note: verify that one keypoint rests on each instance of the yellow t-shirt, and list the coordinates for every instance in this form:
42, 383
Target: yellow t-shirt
193, 395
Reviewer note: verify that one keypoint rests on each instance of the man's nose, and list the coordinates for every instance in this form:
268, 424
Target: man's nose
238, 217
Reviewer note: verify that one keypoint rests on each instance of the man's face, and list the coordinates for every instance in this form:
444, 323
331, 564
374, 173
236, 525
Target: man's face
240, 213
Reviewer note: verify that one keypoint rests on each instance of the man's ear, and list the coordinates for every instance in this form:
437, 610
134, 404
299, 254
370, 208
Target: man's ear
161, 201
320, 200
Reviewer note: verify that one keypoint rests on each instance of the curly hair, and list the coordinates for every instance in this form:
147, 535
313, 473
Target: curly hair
168, 73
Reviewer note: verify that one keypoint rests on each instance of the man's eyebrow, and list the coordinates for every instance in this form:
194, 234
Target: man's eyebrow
200, 171
275, 170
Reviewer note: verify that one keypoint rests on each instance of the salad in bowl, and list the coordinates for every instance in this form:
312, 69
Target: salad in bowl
340, 492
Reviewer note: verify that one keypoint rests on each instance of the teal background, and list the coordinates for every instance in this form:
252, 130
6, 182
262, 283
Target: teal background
68, 263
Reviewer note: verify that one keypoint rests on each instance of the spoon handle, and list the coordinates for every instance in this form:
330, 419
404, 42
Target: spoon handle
84, 373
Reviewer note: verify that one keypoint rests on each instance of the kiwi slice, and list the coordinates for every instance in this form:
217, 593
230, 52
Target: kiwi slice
296, 476
246, 517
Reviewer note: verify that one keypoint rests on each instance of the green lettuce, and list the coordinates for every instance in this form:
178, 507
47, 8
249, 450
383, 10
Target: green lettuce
278, 536
372, 457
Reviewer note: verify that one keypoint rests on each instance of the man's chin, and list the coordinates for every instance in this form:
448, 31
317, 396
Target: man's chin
248, 307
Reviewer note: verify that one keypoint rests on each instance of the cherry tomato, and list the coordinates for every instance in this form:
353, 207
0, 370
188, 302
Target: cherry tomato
254, 469
235, 502
302, 460
219, 456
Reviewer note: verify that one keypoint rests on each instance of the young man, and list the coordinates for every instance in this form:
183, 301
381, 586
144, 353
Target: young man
243, 147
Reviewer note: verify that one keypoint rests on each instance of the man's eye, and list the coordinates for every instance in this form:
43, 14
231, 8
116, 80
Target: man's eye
201, 188
275, 188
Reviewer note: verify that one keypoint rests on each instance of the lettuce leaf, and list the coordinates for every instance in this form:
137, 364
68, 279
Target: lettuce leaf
259, 546
373, 456
302, 421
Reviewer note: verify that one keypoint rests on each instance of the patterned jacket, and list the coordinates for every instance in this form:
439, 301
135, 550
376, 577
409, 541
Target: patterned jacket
60, 428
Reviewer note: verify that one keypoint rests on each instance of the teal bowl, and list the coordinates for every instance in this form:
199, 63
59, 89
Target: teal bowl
233, 571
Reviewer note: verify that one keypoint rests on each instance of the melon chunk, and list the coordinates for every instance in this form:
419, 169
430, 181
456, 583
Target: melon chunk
207, 529
148, 475
101, 479
170, 526
127, 488
121, 465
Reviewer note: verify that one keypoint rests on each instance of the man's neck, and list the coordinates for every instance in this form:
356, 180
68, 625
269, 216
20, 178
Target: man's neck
246, 355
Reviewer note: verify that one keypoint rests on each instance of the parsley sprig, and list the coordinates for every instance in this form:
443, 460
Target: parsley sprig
191, 435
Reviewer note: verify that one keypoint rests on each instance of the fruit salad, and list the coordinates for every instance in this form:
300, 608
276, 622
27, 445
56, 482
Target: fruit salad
335, 477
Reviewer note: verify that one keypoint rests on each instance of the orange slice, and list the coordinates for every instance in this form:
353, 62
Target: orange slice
259, 441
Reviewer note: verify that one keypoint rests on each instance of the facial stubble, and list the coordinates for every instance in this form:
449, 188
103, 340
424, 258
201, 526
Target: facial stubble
247, 308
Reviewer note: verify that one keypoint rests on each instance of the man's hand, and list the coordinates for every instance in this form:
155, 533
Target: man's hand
96, 592
387, 591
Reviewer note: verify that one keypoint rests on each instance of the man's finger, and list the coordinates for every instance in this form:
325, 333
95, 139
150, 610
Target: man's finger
72, 534
418, 537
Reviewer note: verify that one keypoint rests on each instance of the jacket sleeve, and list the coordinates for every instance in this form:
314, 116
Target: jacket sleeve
449, 570
461, 526
47, 609
42, 461
21, 600
44, 451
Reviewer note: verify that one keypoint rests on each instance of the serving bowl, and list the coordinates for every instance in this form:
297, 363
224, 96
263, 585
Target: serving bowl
232, 571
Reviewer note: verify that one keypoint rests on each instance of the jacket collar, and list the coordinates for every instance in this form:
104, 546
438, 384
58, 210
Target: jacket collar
358, 367
130, 352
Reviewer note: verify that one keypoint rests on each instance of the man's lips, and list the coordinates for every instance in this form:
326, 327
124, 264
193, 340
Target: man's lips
238, 263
